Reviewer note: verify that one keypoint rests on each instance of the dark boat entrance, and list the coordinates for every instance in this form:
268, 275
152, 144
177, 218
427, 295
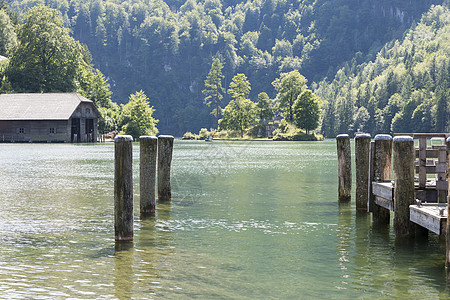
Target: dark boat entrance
75, 131
90, 130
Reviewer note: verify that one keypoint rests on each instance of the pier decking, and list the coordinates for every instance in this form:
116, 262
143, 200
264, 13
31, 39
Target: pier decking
418, 192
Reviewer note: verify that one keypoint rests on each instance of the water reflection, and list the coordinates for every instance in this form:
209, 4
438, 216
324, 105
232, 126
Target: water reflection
343, 233
123, 270
248, 221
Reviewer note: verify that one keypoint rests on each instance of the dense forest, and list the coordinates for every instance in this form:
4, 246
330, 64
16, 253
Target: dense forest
355, 54
405, 89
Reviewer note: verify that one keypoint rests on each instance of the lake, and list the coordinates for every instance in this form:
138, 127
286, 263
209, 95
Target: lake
248, 220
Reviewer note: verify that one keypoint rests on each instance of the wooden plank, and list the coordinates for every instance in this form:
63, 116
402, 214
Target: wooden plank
431, 153
438, 168
442, 157
441, 185
426, 135
427, 216
383, 202
383, 190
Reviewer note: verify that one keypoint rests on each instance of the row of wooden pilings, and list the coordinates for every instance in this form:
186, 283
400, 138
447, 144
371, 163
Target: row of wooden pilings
155, 153
373, 163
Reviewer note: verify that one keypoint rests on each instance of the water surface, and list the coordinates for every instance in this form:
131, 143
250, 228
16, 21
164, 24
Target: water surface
248, 220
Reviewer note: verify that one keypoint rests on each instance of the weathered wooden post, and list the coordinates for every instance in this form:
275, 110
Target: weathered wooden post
447, 255
165, 149
344, 167
371, 175
404, 157
148, 154
362, 150
123, 188
382, 171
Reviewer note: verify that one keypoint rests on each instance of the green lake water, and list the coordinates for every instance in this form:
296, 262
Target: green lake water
248, 220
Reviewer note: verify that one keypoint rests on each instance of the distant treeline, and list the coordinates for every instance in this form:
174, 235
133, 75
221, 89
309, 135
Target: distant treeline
166, 47
405, 89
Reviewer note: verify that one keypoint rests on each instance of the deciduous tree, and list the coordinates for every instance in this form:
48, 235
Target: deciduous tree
47, 57
307, 111
289, 86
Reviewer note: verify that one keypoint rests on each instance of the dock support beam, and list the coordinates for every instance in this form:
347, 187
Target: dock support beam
404, 156
382, 171
148, 154
371, 175
165, 149
362, 150
447, 254
344, 167
123, 188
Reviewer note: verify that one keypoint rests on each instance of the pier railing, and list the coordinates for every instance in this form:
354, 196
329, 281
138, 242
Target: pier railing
431, 159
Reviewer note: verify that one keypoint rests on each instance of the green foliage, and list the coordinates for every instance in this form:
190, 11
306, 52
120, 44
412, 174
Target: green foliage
289, 86
8, 38
264, 107
109, 120
189, 136
136, 116
405, 89
241, 112
239, 87
93, 85
289, 132
166, 47
213, 88
307, 111
47, 57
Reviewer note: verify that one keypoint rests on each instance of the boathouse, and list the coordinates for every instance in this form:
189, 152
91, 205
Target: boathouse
53, 117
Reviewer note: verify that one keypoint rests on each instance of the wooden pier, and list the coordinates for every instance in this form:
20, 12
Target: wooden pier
418, 192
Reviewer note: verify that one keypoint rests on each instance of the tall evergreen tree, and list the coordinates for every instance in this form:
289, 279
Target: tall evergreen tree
213, 88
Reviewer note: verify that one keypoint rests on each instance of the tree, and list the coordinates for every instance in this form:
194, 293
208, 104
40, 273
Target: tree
264, 106
240, 113
213, 88
289, 86
93, 85
239, 87
47, 57
136, 117
8, 38
307, 111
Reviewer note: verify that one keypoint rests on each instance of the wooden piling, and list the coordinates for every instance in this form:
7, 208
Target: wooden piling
403, 162
165, 149
344, 167
148, 154
362, 149
371, 175
447, 255
382, 171
123, 188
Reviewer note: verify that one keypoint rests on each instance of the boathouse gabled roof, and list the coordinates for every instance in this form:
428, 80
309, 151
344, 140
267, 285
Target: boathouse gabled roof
51, 106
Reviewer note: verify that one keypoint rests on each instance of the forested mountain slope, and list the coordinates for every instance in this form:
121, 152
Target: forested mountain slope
166, 47
405, 89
